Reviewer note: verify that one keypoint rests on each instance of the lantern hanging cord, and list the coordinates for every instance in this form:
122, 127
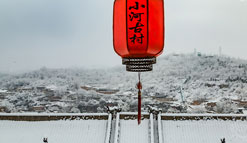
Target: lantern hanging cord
139, 76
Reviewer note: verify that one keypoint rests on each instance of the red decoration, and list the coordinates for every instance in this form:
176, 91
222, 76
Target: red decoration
138, 30
138, 35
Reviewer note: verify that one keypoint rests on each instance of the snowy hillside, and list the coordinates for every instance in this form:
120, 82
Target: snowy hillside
178, 83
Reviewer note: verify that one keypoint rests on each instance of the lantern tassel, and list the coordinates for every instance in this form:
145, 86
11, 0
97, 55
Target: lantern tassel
139, 86
139, 107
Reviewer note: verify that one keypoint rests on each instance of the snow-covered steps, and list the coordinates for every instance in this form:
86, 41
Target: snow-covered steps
128, 131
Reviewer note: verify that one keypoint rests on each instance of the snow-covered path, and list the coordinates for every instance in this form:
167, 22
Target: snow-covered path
70, 131
203, 131
130, 132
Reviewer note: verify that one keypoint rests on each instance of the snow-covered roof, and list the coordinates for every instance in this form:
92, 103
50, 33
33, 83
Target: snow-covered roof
3, 91
51, 87
245, 112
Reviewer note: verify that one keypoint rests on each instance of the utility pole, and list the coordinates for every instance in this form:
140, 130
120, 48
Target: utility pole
220, 51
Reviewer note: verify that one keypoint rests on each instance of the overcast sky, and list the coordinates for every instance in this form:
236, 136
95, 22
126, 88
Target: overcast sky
78, 33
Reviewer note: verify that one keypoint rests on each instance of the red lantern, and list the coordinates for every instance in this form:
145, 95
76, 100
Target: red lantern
138, 32
138, 35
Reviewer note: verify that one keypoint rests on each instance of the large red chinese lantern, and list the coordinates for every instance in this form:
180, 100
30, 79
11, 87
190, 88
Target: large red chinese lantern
138, 35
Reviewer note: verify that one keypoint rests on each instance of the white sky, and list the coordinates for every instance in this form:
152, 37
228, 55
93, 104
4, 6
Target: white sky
78, 33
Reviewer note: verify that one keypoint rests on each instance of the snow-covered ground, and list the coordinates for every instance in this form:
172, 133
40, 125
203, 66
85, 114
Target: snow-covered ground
211, 131
75, 131
124, 130
130, 132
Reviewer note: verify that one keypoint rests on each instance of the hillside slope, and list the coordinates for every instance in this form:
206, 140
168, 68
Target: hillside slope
199, 83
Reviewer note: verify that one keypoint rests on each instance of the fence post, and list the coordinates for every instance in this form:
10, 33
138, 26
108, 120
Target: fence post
151, 128
116, 137
108, 130
160, 136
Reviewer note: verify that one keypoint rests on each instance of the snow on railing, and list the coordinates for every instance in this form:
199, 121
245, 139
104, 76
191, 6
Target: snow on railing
117, 130
186, 116
200, 115
108, 130
151, 127
160, 134
52, 116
